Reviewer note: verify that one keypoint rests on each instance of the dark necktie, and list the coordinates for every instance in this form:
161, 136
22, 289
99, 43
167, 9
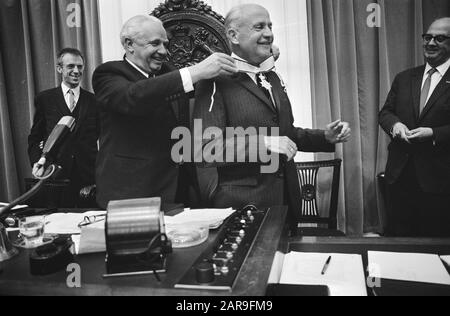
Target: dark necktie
426, 89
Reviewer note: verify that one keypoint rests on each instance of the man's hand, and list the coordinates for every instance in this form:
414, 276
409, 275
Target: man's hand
275, 52
420, 134
281, 145
86, 192
216, 65
38, 170
338, 132
402, 132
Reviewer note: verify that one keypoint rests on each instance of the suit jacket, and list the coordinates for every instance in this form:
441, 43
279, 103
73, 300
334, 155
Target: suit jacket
78, 152
431, 158
137, 119
239, 102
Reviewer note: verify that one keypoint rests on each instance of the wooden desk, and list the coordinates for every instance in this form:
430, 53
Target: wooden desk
252, 280
363, 245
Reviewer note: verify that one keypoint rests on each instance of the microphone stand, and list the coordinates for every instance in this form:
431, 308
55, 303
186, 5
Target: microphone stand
52, 171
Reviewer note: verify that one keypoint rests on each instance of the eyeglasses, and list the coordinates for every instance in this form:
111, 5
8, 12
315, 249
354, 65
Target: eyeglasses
88, 220
438, 38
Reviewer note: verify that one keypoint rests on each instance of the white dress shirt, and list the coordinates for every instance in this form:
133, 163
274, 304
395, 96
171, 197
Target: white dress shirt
185, 76
437, 76
249, 69
76, 92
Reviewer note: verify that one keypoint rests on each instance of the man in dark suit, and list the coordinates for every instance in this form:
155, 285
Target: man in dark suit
255, 98
78, 153
417, 117
142, 100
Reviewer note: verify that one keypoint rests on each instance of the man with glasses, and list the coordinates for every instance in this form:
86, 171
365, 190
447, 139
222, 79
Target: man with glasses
417, 117
78, 153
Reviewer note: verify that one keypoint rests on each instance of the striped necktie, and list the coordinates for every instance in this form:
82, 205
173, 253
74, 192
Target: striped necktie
72, 102
426, 89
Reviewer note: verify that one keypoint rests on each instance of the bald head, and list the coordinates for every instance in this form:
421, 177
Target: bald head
133, 28
144, 40
238, 13
249, 31
443, 23
437, 43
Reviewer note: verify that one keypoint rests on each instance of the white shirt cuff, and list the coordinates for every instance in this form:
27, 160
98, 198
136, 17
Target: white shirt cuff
187, 80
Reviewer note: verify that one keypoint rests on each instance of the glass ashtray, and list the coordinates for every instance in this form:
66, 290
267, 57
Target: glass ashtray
21, 243
184, 236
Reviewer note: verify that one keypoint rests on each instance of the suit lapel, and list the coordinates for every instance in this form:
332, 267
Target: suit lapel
276, 89
251, 86
440, 90
83, 107
137, 76
416, 90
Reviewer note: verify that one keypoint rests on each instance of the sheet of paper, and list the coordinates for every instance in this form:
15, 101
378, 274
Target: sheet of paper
413, 267
67, 223
211, 217
92, 239
344, 276
277, 268
446, 259
18, 207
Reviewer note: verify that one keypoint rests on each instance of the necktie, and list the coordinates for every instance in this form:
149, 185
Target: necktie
72, 102
426, 90
265, 86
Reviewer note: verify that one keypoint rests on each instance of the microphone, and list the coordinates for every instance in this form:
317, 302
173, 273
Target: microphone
59, 132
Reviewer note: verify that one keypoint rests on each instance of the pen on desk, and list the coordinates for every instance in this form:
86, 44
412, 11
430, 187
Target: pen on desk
325, 267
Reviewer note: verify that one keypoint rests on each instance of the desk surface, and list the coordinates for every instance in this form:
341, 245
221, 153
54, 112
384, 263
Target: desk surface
252, 279
363, 245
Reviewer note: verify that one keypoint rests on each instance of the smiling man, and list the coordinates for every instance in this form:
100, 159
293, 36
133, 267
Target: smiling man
78, 154
142, 100
417, 117
256, 98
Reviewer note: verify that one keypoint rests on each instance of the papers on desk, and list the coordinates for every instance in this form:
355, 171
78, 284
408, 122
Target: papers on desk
92, 238
446, 259
413, 267
211, 217
67, 223
344, 276
18, 207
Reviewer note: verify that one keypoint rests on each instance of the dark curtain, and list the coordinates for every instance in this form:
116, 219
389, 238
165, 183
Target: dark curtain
31, 34
352, 68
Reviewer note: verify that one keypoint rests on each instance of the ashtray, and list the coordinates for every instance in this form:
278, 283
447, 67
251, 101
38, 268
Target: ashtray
21, 243
187, 235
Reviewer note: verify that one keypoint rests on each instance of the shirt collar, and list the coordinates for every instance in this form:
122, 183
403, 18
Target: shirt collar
442, 69
137, 68
245, 66
65, 89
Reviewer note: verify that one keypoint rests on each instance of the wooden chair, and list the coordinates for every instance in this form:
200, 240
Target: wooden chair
314, 221
194, 31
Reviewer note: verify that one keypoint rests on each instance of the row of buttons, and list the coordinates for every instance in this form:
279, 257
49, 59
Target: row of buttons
224, 253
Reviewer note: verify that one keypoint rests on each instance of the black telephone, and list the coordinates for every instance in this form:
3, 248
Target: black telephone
52, 257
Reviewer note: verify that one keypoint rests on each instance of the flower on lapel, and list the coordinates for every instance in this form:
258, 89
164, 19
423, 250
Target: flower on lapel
264, 83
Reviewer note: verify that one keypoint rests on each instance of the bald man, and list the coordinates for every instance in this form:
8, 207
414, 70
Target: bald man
141, 102
255, 99
417, 118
